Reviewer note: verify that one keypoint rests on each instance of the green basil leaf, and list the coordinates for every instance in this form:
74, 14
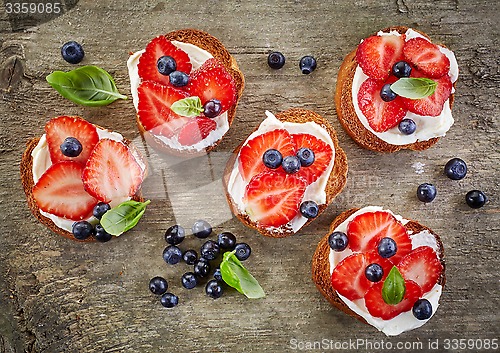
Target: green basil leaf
238, 277
87, 85
123, 217
414, 88
393, 290
190, 107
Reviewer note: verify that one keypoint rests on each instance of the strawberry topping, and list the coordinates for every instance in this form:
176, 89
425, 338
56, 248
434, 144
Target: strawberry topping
377, 54
349, 279
426, 57
379, 308
422, 266
196, 130
322, 155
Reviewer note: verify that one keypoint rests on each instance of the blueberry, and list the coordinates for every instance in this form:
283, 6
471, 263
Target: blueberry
243, 251
175, 235
426, 192
309, 209
291, 164
169, 300
387, 247
307, 64
401, 69
100, 209
172, 255
475, 199
407, 126
72, 52
276, 60
272, 158
374, 272
166, 65
82, 230
201, 229
455, 169
71, 147
338, 241
386, 93
201, 267
218, 275
212, 108
422, 309
210, 250
158, 285
189, 280
226, 240
190, 257
178, 78
305, 156
101, 235
213, 289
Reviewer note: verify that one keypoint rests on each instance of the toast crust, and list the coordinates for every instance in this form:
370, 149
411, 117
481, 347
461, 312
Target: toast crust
321, 263
336, 180
347, 115
211, 44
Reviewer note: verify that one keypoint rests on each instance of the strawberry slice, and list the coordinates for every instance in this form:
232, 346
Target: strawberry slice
250, 159
154, 110
322, 155
426, 57
349, 279
60, 192
112, 173
379, 308
158, 47
56, 131
381, 115
212, 81
196, 130
422, 266
377, 54
272, 198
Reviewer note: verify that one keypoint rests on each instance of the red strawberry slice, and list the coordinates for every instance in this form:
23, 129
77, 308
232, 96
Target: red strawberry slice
158, 47
426, 57
60, 192
322, 155
212, 81
381, 115
112, 172
422, 266
349, 279
373, 257
57, 129
196, 130
377, 54
154, 110
272, 198
379, 308
250, 159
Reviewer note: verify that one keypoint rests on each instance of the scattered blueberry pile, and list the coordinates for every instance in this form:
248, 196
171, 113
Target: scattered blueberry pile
210, 251
82, 229
276, 60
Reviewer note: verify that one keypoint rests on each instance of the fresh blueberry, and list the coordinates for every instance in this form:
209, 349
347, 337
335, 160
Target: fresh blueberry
422, 309
243, 251
82, 230
101, 235
475, 199
169, 300
218, 274
226, 240
178, 78
291, 164
189, 280
210, 250
212, 108
276, 60
190, 257
71, 147
426, 192
407, 126
305, 156
201, 229
201, 267
307, 64
455, 169
100, 209
166, 65
158, 285
386, 93
309, 209
272, 158
374, 272
213, 289
401, 69
175, 235
172, 254
72, 52
338, 241
387, 247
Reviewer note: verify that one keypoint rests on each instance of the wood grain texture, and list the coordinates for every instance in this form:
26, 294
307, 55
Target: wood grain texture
60, 296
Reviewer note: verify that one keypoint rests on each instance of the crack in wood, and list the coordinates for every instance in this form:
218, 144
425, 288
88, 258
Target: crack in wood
402, 7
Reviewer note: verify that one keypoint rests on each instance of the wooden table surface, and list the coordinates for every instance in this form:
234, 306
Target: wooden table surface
61, 296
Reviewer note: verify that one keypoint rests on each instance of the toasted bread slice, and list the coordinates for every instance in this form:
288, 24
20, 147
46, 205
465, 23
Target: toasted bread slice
347, 114
211, 44
336, 180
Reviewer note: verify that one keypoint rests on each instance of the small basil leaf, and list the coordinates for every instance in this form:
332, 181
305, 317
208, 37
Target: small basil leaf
414, 88
393, 290
87, 85
238, 277
123, 217
190, 107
